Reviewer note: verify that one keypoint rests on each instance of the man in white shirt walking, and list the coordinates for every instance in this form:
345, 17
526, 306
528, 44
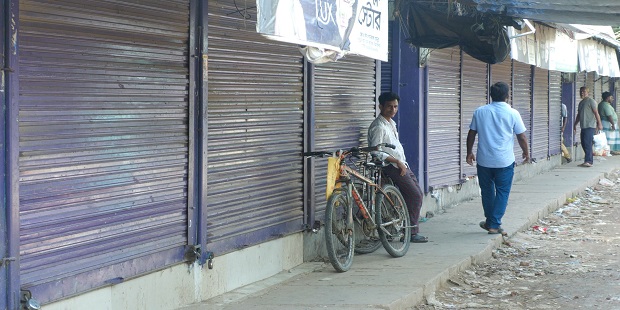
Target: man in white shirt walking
383, 130
496, 124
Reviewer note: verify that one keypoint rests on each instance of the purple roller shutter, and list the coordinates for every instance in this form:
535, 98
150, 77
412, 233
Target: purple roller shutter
522, 102
444, 123
255, 132
555, 112
502, 72
540, 115
475, 91
344, 96
104, 144
590, 83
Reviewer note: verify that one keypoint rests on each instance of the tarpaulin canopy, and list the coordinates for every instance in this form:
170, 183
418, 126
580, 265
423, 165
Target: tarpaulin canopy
444, 24
587, 12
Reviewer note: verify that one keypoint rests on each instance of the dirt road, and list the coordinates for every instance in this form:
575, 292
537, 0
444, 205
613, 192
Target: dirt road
569, 260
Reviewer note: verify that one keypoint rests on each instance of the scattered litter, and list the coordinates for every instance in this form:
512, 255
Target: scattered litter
606, 182
540, 229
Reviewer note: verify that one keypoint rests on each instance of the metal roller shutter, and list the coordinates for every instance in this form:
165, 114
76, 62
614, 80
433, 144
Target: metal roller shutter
386, 67
444, 123
255, 132
598, 89
617, 95
522, 101
590, 77
555, 112
540, 113
344, 97
103, 125
502, 72
580, 81
475, 91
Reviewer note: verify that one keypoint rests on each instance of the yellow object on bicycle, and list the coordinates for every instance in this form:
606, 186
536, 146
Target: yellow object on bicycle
333, 170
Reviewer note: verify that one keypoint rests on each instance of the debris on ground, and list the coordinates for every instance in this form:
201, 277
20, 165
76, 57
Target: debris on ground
568, 260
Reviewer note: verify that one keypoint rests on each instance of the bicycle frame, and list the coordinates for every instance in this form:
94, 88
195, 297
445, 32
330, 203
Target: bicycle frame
345, 177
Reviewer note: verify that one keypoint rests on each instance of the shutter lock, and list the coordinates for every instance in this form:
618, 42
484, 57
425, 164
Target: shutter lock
27, 302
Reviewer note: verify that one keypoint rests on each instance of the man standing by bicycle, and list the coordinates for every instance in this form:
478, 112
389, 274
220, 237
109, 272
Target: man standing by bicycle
383, 130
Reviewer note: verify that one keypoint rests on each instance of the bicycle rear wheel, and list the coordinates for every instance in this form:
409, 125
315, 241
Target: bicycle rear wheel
393, 222
339, 235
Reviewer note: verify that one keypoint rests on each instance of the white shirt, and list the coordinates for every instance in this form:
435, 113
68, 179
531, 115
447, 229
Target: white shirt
496, 124
383, 131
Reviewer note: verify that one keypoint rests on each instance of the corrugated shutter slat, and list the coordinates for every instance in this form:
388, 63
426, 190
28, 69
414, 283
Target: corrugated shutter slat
344, 96
103, 141
255, 132
475, 94
444, 123
522, 102
540, 128
555, 112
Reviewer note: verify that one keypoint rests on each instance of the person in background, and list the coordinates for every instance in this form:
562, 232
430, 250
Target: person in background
609, 118
587, 114
383, 130
496, 124
565, 152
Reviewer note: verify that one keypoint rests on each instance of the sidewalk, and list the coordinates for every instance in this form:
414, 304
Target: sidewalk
377, 281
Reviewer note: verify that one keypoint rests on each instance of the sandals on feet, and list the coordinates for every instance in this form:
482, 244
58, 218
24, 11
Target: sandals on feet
496, 231
492, 231
586, 165
418, 239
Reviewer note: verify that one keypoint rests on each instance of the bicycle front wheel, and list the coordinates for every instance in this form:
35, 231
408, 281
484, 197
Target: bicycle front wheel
339, 236
393, 222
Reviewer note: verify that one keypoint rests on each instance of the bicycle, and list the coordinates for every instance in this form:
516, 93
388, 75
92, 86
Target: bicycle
384, 211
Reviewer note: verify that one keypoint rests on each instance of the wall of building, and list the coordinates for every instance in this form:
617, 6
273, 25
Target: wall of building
185, 284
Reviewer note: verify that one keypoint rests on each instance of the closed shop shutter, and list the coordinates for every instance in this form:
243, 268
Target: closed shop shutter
540, 128
522, 102
255, 132
591, 85
344, 97
598, 89
502, 72
555, 112
580, 81
617, 95
444, 123
103, 125
386, 67
475, 91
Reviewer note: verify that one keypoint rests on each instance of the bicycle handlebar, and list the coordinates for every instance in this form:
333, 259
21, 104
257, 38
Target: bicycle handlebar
354, 150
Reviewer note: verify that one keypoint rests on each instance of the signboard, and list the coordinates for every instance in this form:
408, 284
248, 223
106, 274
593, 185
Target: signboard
345, 26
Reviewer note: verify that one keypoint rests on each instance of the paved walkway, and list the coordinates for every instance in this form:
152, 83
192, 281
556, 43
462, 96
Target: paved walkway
377, 281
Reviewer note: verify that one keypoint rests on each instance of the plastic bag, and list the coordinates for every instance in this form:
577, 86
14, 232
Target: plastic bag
601, 148
333, 171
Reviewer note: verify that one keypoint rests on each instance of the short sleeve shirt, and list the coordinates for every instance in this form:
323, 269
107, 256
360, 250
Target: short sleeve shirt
496, 125
586, 116
605, 110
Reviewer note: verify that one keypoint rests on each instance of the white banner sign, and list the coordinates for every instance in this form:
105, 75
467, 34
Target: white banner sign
545, 48
345, 26
599, 58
